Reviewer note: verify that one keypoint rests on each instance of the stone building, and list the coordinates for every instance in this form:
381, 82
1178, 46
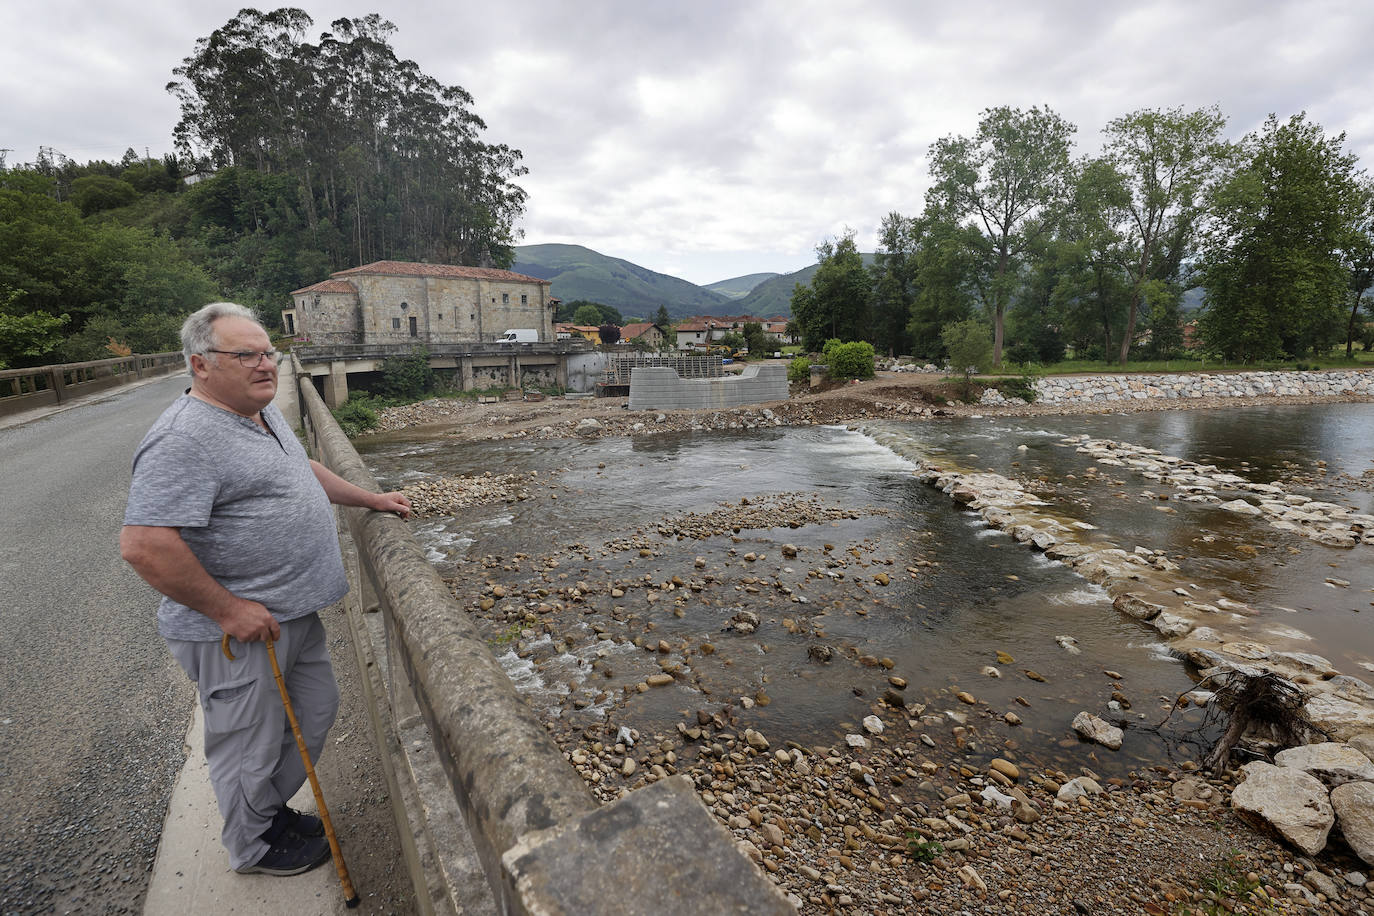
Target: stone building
400, 302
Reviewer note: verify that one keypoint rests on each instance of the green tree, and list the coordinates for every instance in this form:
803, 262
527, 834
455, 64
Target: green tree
1358, 256
94, 193
755, 339
947, 267
587, 316
1168, 159
837, 302
27, 340
1010, 181
895, 271
969, 345
1087, 260
384, 161
1272, 261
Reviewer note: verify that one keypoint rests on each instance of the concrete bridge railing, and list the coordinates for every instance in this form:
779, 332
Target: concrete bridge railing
45, 386
466, 755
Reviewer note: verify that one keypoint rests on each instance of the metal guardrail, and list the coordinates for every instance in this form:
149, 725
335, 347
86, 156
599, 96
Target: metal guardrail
312, 353
45, 386
544, 844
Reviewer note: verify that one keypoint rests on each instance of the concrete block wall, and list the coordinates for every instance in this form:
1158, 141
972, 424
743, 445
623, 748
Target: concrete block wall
660, 388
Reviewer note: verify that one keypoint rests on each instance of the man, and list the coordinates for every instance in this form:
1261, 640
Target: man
231, 522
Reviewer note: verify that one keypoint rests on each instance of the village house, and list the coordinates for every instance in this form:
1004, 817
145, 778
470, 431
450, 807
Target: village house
401, 302
567, 331
645, 333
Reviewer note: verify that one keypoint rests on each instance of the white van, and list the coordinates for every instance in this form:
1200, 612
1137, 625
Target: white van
519, 335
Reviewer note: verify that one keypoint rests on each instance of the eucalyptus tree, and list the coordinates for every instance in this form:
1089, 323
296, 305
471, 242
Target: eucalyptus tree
1010, 181
1273, 259
1168, 158
389, 162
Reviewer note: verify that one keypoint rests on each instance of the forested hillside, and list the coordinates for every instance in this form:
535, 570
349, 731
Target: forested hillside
580, 273
738, 287
293, 159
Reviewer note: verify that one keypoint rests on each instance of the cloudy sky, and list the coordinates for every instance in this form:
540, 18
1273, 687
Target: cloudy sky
713, 138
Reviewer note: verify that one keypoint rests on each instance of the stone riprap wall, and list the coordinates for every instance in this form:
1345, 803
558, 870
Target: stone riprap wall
1104, 389
660, 388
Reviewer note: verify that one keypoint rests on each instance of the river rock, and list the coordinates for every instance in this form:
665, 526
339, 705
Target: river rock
1240, 506
587, 425
1354, 806
1005, 767
1078, 786
992, 796
1290, 800
1193, 788
1137, 607
873, 725
1096, 729
1337, 717
1331, 762
1172, 624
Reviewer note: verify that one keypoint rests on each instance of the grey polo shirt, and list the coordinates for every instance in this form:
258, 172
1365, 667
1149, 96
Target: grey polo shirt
248, 505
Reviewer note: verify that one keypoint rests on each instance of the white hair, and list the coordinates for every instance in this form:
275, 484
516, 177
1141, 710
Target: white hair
198, 333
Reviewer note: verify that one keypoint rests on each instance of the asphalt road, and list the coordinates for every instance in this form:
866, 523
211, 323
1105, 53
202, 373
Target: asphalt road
93, 710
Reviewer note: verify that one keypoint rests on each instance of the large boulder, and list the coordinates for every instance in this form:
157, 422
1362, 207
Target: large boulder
1331, 762
1096, 729
1290, 800
1354, 805
1339, 718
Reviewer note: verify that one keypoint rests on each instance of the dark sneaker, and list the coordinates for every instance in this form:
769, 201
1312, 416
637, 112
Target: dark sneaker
298, 822
290, 854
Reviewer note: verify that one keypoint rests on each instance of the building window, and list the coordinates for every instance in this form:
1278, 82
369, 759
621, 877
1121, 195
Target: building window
414, 327
471, 317
404, 306
505, 298
441, 316
395, 324
524, 300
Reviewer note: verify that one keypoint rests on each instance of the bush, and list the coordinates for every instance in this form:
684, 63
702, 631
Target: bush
969, 344
1023, 351
850, 360
356, 415
408, 377
1022, 387
799, 369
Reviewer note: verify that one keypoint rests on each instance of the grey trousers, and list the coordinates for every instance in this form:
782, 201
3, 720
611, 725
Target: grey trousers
255, 766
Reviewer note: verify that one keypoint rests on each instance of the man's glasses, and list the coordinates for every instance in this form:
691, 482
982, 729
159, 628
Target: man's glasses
249, 359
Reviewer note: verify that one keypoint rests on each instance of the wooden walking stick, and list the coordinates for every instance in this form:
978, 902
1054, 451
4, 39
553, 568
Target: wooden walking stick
350, 895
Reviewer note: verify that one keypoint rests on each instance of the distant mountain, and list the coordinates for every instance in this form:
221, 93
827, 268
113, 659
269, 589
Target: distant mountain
774, 297
739, 287
580, 273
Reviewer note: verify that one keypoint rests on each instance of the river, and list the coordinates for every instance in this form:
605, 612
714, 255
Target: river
958, 593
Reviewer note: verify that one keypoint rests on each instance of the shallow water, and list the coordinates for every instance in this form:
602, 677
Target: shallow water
943, 625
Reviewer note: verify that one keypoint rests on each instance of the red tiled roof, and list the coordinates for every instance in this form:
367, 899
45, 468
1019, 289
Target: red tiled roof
441, 271
631, 331
691, 326
327, 286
